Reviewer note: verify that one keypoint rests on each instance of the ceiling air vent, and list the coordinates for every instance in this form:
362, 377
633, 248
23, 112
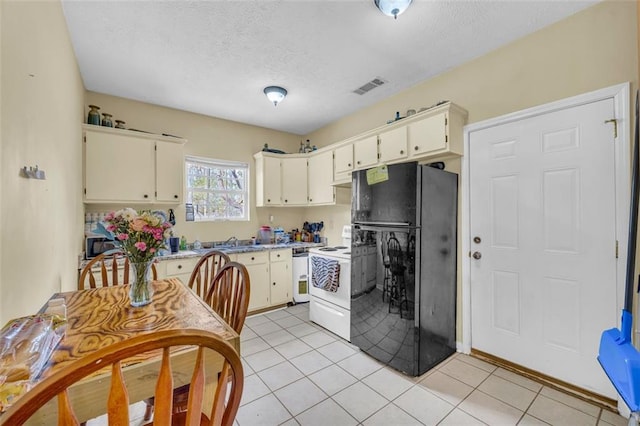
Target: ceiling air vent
376, 82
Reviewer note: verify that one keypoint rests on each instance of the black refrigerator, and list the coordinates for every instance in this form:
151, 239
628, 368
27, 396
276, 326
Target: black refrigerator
403, 274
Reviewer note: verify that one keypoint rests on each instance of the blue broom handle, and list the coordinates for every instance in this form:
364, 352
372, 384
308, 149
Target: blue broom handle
633, 222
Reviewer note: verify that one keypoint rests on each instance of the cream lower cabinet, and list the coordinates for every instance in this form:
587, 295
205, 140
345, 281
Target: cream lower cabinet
177, 268
257, 264
125, 166
270, 275
281, 276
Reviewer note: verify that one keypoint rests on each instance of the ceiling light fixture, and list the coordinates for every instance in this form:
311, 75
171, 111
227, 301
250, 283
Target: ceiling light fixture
392, 7
275, 94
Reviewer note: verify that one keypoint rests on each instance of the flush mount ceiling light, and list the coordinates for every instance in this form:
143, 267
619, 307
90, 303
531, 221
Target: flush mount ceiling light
275, 94
392, 7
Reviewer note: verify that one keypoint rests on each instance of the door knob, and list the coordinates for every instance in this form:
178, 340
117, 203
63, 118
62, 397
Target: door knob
476, 255
477, 240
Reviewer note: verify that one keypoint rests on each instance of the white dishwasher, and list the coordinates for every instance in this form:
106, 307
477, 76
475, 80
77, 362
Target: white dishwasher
300, 277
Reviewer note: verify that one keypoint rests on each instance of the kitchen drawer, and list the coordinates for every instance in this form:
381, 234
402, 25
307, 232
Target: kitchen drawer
253, 258
181, 266
280, 255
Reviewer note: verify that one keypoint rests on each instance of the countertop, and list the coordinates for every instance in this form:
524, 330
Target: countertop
184, 254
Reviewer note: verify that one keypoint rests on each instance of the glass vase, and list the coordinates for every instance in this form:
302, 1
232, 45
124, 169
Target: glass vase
141, 290
94, 115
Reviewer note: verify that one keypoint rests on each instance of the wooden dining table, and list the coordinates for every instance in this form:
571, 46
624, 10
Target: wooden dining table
99, 317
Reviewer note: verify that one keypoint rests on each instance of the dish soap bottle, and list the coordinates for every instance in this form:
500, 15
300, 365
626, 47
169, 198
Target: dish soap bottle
183, 243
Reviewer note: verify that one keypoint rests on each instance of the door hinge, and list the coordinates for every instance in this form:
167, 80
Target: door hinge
446, 138
616, 249
445, 121
84, 139
85, 191
615, 126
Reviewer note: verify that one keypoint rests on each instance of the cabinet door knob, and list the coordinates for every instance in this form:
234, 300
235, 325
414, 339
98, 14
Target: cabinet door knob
146, 196
179, 266
253, 258
268, 200
278, 255
415, 148
274, 283
175, 196
349, 164
358, 162
402, 151
286, 201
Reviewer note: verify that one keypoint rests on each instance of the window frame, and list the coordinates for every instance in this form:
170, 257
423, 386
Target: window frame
214, 163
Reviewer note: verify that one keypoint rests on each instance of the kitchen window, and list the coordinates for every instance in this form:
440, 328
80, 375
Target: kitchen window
217, 189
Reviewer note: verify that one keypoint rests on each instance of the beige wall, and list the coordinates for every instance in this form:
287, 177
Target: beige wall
595, 48
207, 137
41, 107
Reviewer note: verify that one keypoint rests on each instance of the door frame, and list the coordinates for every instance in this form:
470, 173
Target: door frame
621, 98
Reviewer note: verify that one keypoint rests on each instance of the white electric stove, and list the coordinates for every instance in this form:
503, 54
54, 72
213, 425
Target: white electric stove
332, 310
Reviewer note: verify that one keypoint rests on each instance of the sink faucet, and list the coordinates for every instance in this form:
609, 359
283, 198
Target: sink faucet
232, 240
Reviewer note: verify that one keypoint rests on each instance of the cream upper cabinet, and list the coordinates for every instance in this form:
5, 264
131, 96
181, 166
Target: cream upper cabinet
393, 144
320, 177
365, 152
437, 135
268, 181
294, 181
123, 166
428, 135
343, 159
169, 172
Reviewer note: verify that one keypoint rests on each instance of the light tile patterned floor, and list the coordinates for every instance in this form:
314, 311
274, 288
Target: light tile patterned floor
297, 373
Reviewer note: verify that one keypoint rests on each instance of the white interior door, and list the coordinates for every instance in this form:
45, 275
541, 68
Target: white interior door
543, 219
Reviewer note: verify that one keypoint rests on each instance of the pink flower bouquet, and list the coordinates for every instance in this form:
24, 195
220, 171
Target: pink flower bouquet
139, 234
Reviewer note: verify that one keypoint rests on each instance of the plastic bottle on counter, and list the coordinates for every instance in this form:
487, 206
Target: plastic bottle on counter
183, 243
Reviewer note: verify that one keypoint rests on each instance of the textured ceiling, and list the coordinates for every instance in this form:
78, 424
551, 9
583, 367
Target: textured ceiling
215, 57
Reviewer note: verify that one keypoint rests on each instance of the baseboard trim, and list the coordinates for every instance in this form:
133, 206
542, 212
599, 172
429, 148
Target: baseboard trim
552, 382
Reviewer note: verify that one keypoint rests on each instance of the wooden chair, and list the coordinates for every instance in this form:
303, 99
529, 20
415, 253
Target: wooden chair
108, 273
226, 401
205, 271
228, 295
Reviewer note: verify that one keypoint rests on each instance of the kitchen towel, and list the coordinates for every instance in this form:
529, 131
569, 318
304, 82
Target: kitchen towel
325, 273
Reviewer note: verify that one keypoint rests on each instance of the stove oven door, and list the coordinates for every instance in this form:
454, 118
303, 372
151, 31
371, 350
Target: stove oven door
342, 296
